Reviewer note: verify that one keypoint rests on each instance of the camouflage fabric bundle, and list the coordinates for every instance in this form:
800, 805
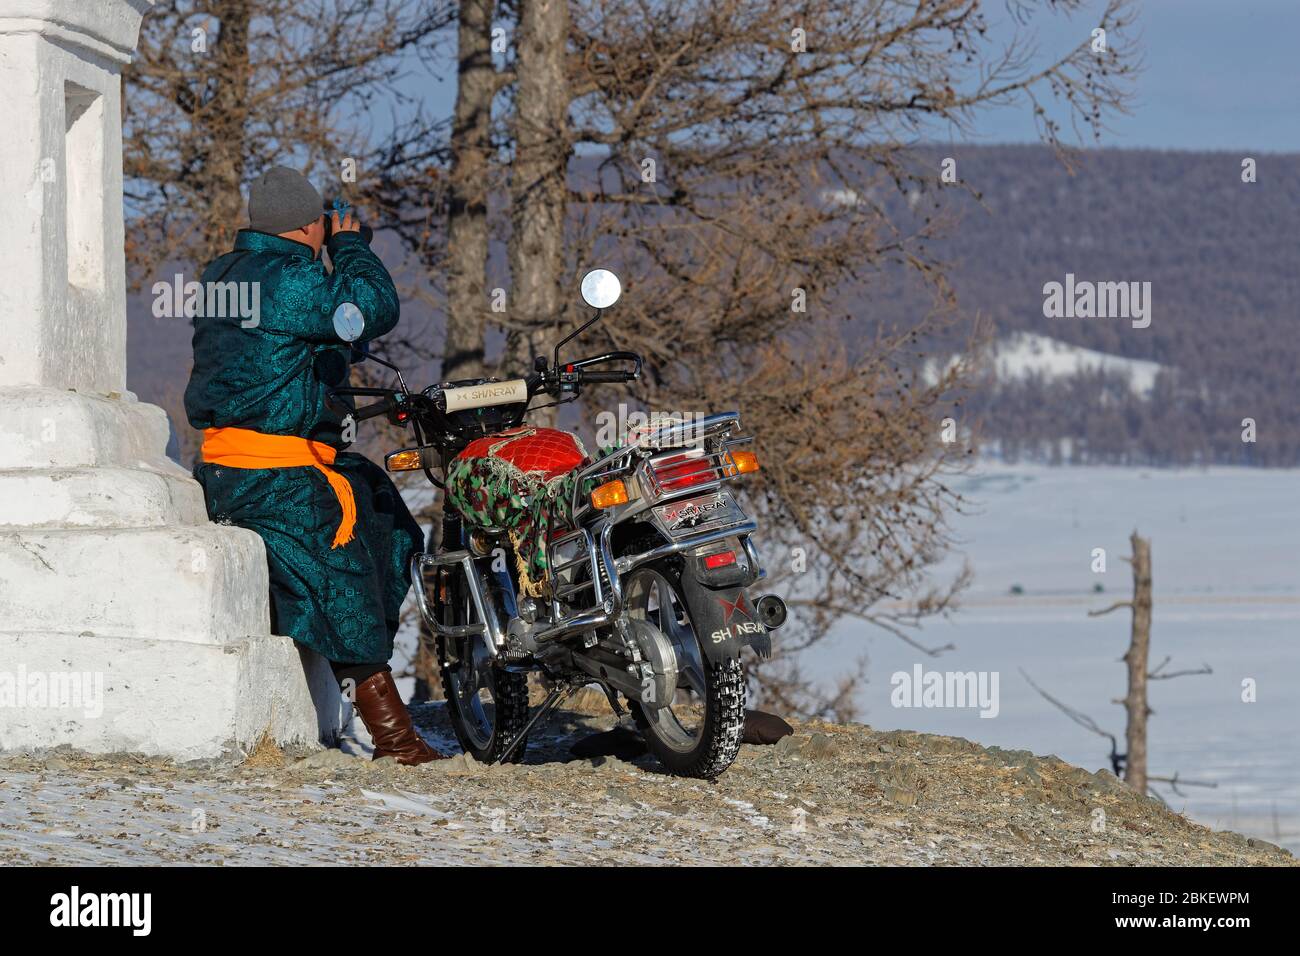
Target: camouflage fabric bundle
499, 483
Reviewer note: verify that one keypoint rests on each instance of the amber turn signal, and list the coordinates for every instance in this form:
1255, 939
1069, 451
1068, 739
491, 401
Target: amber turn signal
741, 462
408, 459
609, 494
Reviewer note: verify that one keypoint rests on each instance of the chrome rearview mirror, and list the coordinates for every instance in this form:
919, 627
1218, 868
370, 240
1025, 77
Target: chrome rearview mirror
601, 288
349, 323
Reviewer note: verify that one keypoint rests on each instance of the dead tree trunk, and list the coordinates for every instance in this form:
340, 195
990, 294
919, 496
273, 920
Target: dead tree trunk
226, 121
1135, 702
467, 239
1133, 764
467, 217
538, 187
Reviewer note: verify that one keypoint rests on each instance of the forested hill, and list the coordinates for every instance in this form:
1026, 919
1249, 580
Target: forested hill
1222, 257
1223, 260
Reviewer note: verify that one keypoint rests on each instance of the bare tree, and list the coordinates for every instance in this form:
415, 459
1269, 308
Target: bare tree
222, 89
1132, 763
538, 180
1136, 658
745, 165
467, 213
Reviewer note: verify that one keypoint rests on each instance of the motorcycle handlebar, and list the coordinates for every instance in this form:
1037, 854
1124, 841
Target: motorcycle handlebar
614, 376
373, 411
549, 380
581, 373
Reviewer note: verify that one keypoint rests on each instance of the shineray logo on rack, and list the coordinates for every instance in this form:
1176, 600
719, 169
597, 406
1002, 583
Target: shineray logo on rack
77, 909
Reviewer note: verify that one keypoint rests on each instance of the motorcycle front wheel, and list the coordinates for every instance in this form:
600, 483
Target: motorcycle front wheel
698, 732
487, 704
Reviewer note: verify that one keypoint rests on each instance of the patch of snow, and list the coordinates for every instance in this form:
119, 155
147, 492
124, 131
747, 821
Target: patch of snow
1022, 354
403, 804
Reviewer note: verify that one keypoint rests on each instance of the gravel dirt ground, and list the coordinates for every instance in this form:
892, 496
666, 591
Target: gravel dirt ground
830, 794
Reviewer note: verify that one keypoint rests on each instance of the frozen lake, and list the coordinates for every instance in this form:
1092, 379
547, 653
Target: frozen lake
1226, 572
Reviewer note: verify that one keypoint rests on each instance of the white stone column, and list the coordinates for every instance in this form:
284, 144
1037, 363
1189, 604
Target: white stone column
111, 576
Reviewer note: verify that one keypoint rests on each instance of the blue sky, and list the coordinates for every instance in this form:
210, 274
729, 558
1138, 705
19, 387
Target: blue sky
1218, 75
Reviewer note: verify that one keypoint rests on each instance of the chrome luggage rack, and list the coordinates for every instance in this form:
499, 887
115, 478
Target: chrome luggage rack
711, 436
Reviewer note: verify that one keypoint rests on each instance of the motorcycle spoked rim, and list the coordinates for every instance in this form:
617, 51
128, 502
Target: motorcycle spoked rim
664, 722
475, 721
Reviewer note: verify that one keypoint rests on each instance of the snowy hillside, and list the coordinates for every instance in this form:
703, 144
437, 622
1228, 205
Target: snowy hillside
1022, 354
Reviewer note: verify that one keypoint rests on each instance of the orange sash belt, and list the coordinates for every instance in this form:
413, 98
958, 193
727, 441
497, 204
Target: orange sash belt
245, 448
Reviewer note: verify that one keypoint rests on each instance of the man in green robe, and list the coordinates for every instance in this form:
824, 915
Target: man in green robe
338, 536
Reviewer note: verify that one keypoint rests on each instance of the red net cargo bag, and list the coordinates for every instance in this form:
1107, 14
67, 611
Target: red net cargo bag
540, 453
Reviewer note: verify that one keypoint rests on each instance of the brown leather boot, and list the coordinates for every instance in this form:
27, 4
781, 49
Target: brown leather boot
389, 722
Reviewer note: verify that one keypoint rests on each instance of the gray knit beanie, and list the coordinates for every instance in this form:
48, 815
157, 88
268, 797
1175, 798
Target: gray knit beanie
282, 200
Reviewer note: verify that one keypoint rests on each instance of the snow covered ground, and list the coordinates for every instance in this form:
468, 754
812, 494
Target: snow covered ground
1226, 568
829, 795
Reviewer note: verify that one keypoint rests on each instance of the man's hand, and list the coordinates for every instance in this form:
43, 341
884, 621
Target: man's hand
349, 224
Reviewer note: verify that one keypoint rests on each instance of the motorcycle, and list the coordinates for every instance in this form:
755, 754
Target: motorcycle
647, 594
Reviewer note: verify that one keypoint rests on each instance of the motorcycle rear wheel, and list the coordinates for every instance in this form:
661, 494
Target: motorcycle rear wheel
698, 734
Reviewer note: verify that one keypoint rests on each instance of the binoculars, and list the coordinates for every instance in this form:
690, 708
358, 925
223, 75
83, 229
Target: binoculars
342, 207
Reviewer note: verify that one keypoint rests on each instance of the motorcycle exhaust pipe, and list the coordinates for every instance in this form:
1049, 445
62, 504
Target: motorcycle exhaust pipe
771, 610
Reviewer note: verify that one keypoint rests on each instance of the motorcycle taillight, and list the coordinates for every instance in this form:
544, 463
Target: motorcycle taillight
684, 471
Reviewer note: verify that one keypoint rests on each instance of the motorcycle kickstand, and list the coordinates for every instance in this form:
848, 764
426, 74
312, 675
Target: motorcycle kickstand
553, 700
612, 697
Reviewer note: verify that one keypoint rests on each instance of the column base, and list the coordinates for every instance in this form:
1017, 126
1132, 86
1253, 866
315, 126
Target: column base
110, 568
188, 702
